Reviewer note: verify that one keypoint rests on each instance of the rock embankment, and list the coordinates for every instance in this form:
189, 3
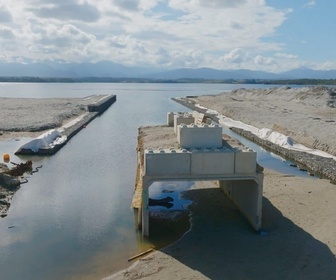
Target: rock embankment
8, 186
307, 115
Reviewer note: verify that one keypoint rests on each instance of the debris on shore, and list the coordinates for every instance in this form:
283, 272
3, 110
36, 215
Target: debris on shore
11, 180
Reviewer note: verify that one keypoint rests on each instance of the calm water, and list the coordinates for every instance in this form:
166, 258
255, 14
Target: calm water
73, 220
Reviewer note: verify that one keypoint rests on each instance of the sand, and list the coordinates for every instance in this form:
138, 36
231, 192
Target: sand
298, 237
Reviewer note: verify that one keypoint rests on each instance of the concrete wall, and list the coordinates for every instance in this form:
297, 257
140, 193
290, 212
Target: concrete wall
216, 161
189, 163
166, 162
190, 118
245, 161
199, 136
212, 161
182, 119
103, 104
247, 196
176, 118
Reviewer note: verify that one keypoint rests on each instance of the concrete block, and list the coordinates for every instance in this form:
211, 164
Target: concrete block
245, 161
195, 114
199, 136
170, 119
103, 104
185, 118
212, 161
166, 162
199, 117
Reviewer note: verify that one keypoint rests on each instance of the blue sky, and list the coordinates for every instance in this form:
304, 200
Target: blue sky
274, 35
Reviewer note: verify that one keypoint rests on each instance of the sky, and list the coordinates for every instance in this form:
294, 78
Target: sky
265, 35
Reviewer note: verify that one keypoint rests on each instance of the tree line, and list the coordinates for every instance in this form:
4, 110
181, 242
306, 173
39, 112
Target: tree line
28, 79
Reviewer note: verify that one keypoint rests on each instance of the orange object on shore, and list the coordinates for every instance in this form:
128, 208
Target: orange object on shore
6, 157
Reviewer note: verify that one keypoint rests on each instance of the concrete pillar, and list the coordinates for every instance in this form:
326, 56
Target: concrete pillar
247, 196
170, 119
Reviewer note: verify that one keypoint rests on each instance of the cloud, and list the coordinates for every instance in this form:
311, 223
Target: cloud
261, 60
129, 5
5, 15
60, 37
6, 33
309, 4
326, 65
162, 33
72, 11
235, 56
286, 55
236, 25
56, 41
221, 3
183, 58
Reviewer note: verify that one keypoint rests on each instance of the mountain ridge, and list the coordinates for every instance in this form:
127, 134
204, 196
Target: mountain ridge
115, 70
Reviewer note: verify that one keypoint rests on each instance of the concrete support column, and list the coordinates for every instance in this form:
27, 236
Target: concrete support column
247, 196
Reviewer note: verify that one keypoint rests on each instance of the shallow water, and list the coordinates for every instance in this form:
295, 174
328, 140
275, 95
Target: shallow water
73, 220
268, 159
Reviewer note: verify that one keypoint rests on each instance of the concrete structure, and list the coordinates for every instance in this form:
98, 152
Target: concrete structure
69, 130
204, 155
176, 118
182, 119
103, 104
199, 136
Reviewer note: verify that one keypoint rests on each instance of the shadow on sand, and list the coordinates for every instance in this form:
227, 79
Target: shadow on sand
222, 245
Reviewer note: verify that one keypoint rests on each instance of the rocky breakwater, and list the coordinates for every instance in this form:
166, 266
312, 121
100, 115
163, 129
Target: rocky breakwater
307, 115
314, 164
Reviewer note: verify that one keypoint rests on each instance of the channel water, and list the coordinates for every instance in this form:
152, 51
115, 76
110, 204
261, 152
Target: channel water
73, 219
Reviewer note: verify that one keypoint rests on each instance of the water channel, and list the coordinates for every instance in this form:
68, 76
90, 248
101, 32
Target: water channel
73, 220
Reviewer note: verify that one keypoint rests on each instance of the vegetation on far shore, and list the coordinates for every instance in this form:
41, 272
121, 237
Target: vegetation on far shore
27, 79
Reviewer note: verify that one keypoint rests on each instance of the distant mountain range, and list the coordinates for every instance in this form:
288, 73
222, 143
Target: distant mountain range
114, 70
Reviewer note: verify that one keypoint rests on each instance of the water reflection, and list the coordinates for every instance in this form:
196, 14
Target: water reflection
268, 159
